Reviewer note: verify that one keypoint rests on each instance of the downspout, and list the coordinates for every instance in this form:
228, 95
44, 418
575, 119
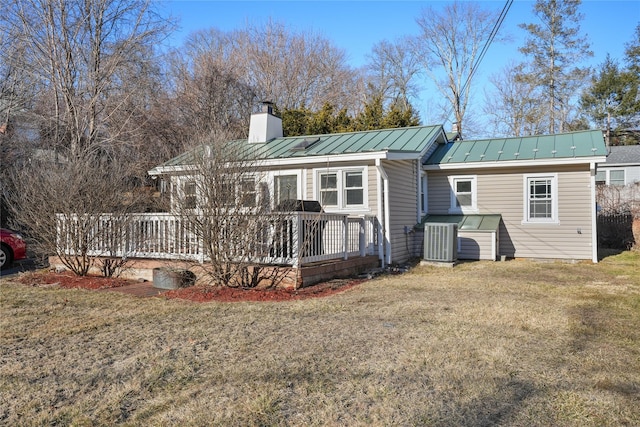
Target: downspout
594, 220
384, 246
418, 191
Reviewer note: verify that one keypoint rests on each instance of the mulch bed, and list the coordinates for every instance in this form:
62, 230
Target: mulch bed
194, 293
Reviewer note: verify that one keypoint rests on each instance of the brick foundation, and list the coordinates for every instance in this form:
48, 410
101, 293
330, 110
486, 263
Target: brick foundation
142, 269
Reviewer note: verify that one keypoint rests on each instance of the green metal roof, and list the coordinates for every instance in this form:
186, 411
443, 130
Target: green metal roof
410, 140
480, 223
565, 145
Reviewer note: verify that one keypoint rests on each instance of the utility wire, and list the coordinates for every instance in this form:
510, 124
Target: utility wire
485, 48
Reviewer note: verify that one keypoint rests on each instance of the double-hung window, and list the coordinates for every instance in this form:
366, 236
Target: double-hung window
342, 189
463, 194
541, 198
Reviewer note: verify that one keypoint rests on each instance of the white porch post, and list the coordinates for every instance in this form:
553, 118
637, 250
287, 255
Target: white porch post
345, 237
383, 212
361, 237
296, 239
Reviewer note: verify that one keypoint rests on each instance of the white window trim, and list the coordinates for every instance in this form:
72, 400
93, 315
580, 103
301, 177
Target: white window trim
179, 182
453, 209
554, 199
340, 172
624, 177
271, 183
607, 176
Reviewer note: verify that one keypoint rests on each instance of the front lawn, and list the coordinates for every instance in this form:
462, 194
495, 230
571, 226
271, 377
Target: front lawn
509, 343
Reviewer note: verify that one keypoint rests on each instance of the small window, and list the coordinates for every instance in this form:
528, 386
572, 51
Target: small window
248, 192
190, 196
463, 194
329, 189
601, 177
354, 191
541, 198
286, 188
464, 197
616, 177
227, 194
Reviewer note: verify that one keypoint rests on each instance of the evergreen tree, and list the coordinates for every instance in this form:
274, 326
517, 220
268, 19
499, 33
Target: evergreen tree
372, 116
612, 101
554, 46
400, 115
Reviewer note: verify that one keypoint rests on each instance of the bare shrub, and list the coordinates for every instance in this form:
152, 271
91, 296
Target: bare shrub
224, 200
62, 205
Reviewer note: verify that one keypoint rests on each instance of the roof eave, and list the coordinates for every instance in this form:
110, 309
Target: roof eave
516, 163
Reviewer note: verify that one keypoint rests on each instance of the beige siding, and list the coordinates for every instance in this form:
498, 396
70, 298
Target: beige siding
403, 197
371, 183
476, 245
501, 191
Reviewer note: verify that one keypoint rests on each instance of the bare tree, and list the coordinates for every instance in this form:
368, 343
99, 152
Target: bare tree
392, 68
514, 105
452, 39
75, 49
296, 70
74, 207
224, 203
210, 92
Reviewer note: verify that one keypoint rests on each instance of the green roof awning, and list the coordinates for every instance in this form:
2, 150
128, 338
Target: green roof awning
479, 223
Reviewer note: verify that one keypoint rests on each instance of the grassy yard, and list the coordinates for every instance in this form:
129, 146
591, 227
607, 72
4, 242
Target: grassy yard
508, 343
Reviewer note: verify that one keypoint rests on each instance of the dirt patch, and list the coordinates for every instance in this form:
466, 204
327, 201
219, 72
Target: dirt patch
193, 293
69, 280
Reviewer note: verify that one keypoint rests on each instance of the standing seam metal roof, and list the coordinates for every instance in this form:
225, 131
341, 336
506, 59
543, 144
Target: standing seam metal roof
567, 145
400, 140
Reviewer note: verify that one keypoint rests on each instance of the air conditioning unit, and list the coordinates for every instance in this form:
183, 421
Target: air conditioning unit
441, 242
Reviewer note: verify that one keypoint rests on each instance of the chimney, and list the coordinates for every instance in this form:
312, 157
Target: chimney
264, 125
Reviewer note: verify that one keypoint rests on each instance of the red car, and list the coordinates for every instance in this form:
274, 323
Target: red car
12, 248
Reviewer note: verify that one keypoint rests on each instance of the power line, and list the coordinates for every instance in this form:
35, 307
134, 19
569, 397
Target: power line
485, 48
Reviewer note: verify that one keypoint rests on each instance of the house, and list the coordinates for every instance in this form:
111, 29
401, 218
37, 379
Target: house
529, 197
382, 191
542, 188
618, 180
622, 166
360, 174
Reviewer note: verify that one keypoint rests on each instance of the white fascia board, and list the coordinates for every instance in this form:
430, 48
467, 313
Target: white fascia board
306, 160
165, 170
374, 155
516, 163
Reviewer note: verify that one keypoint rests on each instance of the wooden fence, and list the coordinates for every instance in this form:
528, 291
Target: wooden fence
615, 230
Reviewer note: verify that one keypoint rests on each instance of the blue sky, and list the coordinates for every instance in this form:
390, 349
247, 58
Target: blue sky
356, 26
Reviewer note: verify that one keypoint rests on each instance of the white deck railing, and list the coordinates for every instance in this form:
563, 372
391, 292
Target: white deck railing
296, 238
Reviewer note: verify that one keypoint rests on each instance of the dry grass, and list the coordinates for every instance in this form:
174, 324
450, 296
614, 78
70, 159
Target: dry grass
516, 343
